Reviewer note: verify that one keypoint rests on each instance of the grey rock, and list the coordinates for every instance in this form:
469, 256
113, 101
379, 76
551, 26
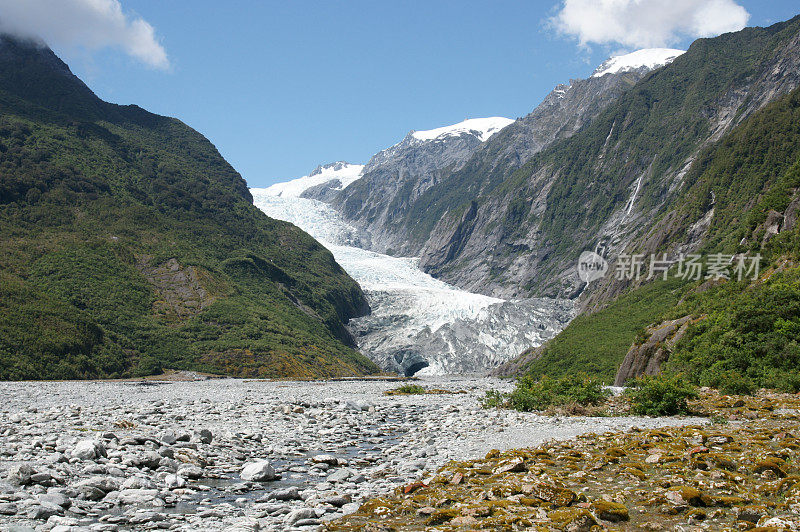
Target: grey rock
8, 508
291, 493
259, 471
325, 459
44, 511
20, 475
103, 484
337, 500
244, 525
137, 483
204, 436
340, 475
88, 450
57, 499
293, 517
169, 437
139, 497
174, 482
190, 471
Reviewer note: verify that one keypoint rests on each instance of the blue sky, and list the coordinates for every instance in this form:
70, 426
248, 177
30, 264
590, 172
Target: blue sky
280, 87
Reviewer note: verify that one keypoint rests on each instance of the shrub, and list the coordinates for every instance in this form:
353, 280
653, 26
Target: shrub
493, 399
732, 383
784, 381
148, 366
663, 395
539, 394
409, 389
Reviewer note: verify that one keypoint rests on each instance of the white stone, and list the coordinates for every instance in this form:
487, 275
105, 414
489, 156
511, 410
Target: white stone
259, 471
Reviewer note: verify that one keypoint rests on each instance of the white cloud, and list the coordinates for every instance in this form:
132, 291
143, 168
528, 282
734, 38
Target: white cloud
647, 23
92, 24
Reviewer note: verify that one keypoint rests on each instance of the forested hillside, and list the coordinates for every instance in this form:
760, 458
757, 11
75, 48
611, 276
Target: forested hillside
742, 333
130, 245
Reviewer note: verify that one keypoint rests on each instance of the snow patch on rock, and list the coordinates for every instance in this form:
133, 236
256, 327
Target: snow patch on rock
649, 58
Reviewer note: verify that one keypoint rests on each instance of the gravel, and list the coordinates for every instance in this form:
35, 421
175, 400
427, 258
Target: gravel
226, 454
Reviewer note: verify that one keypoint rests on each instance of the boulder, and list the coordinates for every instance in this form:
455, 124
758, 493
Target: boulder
88, 450
300, 514
340, 475
204, 436
20, 475
646, 358
260, 471
174, 482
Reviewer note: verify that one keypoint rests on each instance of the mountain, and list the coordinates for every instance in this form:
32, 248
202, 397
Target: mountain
130, 245
406, 190
734, 334
734, 201
398, 175
519, 233
325, 179
647, 59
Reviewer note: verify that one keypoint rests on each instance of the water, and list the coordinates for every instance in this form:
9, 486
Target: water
418, 323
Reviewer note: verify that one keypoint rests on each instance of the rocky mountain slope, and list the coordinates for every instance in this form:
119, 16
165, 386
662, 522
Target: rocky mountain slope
734, 326
522, 235
129, 244
407, 188
396, 177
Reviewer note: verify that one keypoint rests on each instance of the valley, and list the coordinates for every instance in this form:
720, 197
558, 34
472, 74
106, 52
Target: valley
418, 325
532, 323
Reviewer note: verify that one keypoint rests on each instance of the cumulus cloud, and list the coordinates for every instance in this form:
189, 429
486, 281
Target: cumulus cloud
647, 23
91, 24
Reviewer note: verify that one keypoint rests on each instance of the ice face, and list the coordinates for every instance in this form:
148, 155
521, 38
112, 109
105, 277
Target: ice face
418, 323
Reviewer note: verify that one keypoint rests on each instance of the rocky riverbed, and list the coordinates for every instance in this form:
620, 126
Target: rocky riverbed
227, 454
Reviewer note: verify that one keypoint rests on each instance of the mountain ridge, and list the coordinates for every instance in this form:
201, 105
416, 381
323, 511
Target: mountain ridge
131, 245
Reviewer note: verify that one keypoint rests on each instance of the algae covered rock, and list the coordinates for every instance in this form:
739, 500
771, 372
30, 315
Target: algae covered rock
610, 511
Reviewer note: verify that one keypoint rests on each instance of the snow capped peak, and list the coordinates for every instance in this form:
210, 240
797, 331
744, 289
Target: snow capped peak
483, 128
338, 166
650, 58
344, 173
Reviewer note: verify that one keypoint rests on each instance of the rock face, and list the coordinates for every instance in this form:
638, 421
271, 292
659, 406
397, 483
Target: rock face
588, 165
180, 289
607, 183
396, 177
646, 358
516, 366
387, 200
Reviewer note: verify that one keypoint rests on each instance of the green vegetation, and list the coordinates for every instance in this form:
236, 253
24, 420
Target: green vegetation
665, 394
131, 246
758, 162
597, 343
749, 337
749, 334
409, 389
531, 394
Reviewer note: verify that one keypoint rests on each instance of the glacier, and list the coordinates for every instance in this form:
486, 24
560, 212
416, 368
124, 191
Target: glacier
418, 324
341, 173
